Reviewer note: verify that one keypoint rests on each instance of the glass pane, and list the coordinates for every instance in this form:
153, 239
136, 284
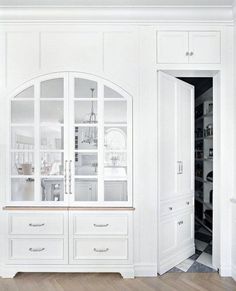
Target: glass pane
52, 88
86, 138
22, 189
52, 111
52, 137
86, 112
52, 164
52, 189
22, 163
115, 112
115, 164
115, 191
83, 88
115, 138
85, 190
86, 164
22, 112
22, 138
27, 93
110, 93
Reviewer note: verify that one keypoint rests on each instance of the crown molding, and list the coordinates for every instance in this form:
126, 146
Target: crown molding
116, 14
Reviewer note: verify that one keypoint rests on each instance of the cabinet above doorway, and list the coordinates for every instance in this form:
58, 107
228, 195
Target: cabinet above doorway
188, 47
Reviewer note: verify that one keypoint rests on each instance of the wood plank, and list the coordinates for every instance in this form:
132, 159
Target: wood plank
114, 282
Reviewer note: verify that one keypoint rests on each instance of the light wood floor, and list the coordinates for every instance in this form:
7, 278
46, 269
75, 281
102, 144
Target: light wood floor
114, 282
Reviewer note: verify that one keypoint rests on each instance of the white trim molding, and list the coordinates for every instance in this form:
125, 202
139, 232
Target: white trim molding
138, 14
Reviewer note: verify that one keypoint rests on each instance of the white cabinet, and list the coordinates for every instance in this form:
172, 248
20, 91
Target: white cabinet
172, 47
176, 171
70, 142
204, 47
184, 47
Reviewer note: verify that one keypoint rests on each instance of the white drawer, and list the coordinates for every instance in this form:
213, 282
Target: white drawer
177, 205
36, 250
100, 249
36, 223
100, 224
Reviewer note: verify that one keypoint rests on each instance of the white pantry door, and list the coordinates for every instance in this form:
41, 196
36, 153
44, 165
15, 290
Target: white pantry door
175, 170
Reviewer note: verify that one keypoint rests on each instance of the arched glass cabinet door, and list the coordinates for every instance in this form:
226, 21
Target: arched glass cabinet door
70, 142
101, 163
38, 149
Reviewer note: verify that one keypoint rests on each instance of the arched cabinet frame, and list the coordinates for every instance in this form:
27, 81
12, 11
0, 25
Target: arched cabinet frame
45, 154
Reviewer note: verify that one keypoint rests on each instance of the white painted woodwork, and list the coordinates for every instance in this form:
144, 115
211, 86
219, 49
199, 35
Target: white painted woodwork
36, 224
205, 47
101, 249
188, 47
176, 185
100, 224
36, 251
172, 47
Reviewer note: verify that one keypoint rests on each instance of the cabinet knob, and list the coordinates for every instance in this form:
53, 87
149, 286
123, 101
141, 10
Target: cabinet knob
180, 222
187, 202
187, 54
170, 208
191, 53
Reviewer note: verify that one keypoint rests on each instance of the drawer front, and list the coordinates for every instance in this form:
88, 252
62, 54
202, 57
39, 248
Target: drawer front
172, 206
100, 224
36, 250
100, 249
36, 224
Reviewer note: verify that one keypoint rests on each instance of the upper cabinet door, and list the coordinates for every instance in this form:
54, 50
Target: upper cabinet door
204, 47
172, 47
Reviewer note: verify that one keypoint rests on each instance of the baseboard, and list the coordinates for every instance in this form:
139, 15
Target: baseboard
233, 272
145, 270
226, 271
176, 258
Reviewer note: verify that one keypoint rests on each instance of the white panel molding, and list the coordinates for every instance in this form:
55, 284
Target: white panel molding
145, 270
118, 14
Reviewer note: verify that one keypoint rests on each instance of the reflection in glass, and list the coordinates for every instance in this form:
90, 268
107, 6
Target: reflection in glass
22, 163
115, 191
52, 189
52, 111
85, 190
27, 93
83, 88
110, 93
51, 137
115, 112
22, 111
86, 137
22, 138
86, 164
84, 110
52, 164
53, 88
22, 189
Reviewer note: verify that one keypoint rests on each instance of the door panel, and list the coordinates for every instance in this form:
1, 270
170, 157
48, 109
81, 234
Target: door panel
204, 47
167, 136
185, 229
172, 47
185, 137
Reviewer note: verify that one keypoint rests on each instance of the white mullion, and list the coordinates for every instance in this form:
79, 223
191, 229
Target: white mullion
129, 155
71, 134
37, 184
100, 103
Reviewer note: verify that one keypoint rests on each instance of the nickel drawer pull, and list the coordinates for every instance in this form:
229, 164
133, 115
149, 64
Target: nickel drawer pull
101, 250
100, 225
36, 250
180, 222
36, 224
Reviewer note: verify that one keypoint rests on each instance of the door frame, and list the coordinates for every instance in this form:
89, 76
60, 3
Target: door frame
216, 230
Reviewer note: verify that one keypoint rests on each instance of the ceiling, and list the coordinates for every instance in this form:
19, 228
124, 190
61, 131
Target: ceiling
116, 2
